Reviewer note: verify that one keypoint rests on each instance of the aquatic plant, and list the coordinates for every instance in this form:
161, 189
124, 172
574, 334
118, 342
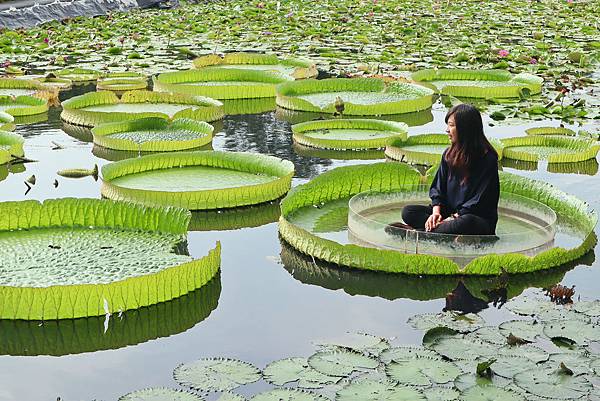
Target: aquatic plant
122, 84
235, 218
344, 134
489, 84
19, 87
11, 146
550, 131
344, 182
96, 108
426, 148
6, 122
359, 96
94, 257
295, 68
23, 106
79, 75
221, 83
203, 180
555, 149
153, 134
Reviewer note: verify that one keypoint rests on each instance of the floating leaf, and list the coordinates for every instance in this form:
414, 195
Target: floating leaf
400, 354
578, 363
578, 331
422, 371
490, 393
469, 380
463, 349
340, 363
296, 369
455, 321
287, 394
489, 334
525, 329
360, 342
160, 394
369, 390
551, 383
216, 374
589, 308
529, 306
441, 394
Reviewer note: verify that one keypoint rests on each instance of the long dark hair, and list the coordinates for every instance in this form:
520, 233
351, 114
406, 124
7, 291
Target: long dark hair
470, 144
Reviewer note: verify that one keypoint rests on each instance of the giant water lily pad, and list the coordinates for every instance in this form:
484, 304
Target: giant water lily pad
555, 149
348, 133
337, 185
198, 180
480, 83
360, 96
426, 149
550, 131
122, 84
160, 394
78, 74
340, 363
6, 122
216, 374
296, 369
153, 134
19, 87
11, 145
371, 390
221, 83
20, 106
96, 108
292, 67
86, 257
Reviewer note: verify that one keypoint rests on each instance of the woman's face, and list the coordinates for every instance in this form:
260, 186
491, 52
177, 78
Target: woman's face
451, 129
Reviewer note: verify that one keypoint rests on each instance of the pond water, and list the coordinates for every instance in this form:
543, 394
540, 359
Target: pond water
268, 302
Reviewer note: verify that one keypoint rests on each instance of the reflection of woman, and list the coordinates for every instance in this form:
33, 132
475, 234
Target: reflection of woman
465, 191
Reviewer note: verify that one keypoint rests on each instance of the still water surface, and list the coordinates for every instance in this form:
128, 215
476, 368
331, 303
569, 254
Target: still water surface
260, 309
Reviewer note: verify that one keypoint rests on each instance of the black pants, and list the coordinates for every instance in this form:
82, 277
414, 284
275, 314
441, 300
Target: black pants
467, 224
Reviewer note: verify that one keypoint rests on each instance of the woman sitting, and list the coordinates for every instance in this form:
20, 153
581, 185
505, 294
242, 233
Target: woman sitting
466, 188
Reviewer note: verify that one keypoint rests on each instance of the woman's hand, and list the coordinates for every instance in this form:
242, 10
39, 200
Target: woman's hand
434, 220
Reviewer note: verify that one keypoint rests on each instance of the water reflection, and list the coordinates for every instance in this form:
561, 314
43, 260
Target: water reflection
236, 218
414, 119
82, 134
75, 336
587, 167
489, 289
14, 168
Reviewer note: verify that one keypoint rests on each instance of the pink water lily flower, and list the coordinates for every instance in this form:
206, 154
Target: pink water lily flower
533, 60
503, 53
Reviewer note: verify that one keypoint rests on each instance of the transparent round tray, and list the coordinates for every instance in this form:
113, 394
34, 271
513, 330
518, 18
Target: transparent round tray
524, 226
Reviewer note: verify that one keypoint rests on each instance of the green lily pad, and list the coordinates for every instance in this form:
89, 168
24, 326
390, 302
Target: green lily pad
340, 363
296, 369
468, 380
489, 334
360, 342
216, 374
490, 393
529, 306
464, 349
551, 383
422, 371
441, 394
160, 394
508, 366
578, 331
579, 363
369, 390
287, 394
589, 308
401, 354
455, 321
528, 330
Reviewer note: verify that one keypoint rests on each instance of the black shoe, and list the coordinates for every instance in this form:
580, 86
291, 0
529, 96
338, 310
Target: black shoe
398, 228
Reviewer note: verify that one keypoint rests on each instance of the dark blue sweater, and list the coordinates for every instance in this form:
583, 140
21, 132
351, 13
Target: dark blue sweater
478, 195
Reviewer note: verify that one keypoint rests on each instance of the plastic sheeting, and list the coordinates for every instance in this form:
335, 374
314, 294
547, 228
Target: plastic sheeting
24, 14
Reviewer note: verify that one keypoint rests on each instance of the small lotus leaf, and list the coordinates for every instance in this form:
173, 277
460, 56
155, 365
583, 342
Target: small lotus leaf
216, 374
529, 306
296, 369
160, 394
360, 342
577, 331
490, 393
287, 394
463, 349
340, 363
371, 390
551, 383
530, 352
488, 334
400, 354
455, 321
578, 363
589, 308
229, 396
506, 366
469, 380
441, 394
422, 371
526, 329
